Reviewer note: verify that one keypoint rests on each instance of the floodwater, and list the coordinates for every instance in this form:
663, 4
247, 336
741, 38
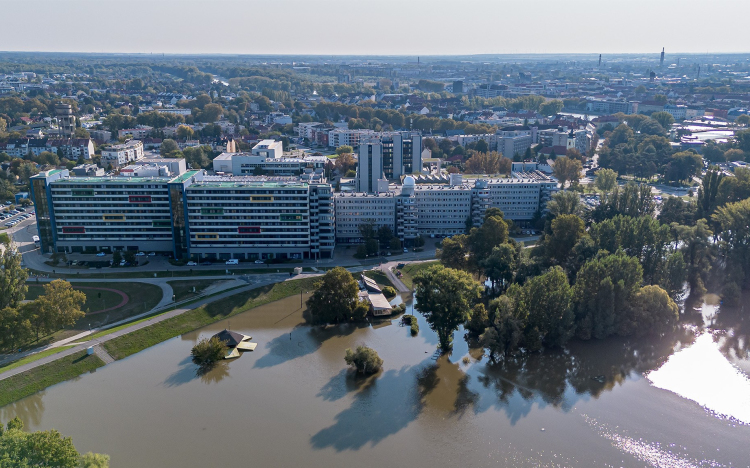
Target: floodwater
681, 402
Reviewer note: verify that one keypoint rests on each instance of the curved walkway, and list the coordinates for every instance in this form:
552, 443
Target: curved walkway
123, 303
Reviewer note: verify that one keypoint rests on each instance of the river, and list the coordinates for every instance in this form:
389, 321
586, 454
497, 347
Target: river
680, 402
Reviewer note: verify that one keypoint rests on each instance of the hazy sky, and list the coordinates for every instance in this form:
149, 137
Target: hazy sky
393, 27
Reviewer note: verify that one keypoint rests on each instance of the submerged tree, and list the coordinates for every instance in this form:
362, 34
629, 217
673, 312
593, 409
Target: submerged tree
364, 359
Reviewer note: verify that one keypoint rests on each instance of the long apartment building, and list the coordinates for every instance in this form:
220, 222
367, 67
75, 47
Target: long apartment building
191, 215
442, 209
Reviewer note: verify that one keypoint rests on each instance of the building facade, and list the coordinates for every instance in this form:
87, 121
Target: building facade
119, 155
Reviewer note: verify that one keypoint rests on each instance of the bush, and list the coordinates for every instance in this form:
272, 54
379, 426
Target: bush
412, 322
389, 292
209, 351
731, 295
364, 359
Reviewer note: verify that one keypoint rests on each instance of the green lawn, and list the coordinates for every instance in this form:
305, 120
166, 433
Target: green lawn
32, 358
184, 289
139, 340
142, 297
34, 380
379, 278
411, 270
95, 300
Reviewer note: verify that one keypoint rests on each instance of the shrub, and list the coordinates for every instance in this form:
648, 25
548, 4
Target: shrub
412, 322
364, 359
389, 292
208, 351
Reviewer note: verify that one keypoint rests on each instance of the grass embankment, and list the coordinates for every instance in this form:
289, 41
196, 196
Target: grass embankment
139, 340
32, 358
94, 302
34, 380
184, 289
411, 270
379, 278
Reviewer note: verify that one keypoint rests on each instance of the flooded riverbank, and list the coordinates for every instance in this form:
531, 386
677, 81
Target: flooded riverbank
293, 402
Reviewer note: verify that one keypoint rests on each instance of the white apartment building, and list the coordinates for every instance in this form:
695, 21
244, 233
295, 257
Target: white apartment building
343, 136
119, 155
442, 209
174, 111
268, 149
250, 164
139, 133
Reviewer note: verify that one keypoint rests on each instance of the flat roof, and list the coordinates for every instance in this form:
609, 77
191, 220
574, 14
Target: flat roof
185, 176
238, 183
110, 180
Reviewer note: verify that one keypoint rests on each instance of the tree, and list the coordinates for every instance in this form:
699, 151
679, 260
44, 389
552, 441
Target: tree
665, 119
344, 149
211, 113
482, 146
168, 146
345, 162
42, 449
546, 302
493, 232
196, 157
683, 166
566, 169
564, 202
12, 277
505, 331
566, 231
652, 127
116, 258
335, 297
551, 107
606, 179
674, 275
734, 218
500, 266
419, 241
478, 321
15, 327
364, 359
488, 163
454, 252
385, 235
59, 306
445, 297
698, 252
677, 210
655, 313
743, 119
734, 154
208, 352
603, 293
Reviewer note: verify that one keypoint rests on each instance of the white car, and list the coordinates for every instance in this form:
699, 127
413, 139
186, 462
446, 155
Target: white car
259, 261
191, 263
152, 254
232, 261
100, 254
140, 254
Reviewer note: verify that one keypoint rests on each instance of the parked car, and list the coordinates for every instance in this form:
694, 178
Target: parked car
100, 254
232, 261
259, 261
406, 250
152, 254
191, 263
140, 254
206, 263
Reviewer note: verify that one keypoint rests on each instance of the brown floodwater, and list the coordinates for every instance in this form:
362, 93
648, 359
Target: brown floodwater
680, 402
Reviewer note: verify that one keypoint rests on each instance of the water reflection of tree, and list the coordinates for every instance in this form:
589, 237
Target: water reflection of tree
734, 341
587, 368
445, 386
29, 410
213, 374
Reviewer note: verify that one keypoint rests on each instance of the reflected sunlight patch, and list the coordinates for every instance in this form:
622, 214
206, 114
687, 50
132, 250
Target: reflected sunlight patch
654, 454
702, 374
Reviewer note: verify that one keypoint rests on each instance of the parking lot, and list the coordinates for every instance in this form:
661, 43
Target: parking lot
10, 218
